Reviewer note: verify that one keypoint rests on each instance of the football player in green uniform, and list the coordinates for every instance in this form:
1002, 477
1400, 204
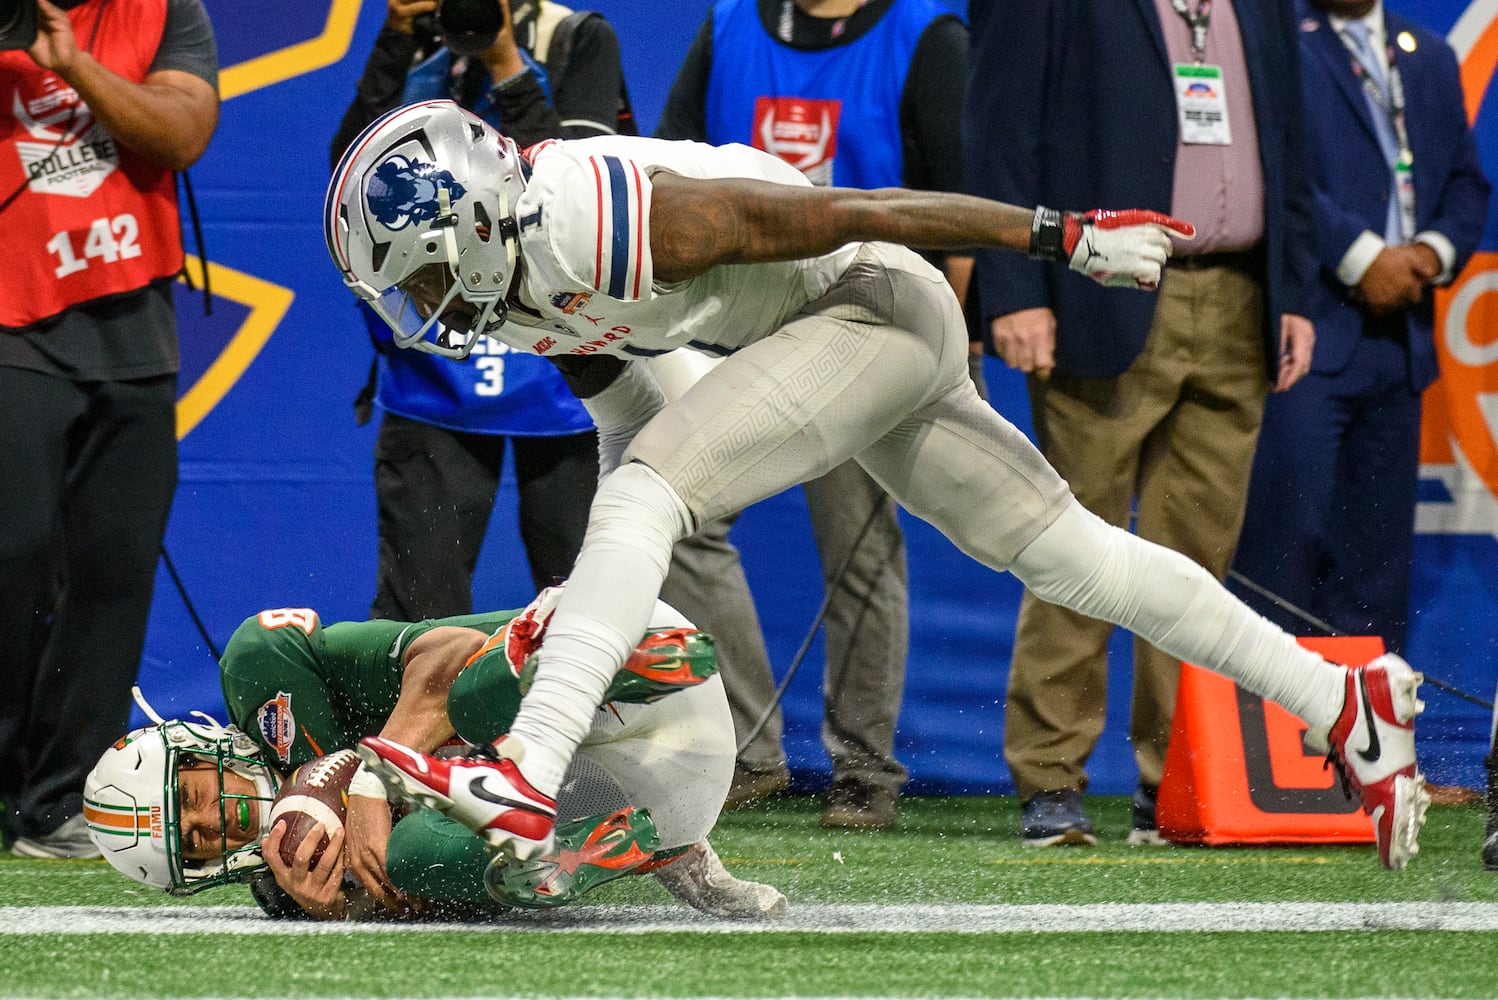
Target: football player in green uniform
183, 805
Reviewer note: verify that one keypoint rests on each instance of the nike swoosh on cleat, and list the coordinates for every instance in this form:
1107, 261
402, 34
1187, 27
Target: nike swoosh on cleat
1372, 753
477, 790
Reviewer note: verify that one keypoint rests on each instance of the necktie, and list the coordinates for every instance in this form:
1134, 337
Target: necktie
1363, 49
1383, 125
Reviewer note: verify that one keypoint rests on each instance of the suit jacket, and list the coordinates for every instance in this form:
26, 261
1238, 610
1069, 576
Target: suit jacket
1070, 104
1352, 178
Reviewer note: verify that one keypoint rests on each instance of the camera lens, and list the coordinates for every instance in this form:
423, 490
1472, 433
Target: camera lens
469, 26
17, 24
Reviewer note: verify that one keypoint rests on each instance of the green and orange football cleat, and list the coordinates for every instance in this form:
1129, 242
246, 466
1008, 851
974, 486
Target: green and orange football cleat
590, 852
665, 661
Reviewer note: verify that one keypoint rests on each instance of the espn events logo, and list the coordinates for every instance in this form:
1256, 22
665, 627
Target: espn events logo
1459, 446
801, 131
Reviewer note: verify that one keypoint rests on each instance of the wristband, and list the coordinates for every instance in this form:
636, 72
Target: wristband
1047, 236
365, 785
508, 82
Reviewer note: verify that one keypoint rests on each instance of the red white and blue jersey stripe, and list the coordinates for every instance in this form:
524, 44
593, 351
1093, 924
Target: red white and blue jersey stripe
618, 221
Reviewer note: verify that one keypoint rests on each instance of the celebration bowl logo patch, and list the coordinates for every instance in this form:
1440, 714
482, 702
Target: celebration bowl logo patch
402, 191
278, 725
569, 302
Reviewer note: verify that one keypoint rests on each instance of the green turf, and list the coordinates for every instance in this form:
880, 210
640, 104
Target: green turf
945, 851
876, 965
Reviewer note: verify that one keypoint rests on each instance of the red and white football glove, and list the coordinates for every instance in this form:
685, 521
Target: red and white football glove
1124, 249
525, 631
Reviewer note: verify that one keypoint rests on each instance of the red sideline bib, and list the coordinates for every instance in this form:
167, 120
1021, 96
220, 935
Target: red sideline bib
95, 219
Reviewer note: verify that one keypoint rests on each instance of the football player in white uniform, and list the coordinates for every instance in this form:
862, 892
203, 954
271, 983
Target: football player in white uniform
840, 343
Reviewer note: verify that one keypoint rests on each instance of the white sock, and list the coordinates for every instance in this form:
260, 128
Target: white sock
1083, 563
603, 613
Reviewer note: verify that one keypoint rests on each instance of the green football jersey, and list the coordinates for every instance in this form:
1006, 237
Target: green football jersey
303, 689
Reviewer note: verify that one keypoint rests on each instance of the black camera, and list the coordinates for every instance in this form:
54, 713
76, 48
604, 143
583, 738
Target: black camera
468, 27
17, 23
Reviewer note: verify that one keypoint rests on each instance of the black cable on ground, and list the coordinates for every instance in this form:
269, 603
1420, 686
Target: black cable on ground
1329, 629
816, 623
192, 611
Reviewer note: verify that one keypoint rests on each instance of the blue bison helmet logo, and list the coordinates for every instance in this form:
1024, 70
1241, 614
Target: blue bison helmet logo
403, 191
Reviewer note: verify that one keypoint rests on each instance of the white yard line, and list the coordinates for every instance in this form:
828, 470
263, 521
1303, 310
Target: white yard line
829, 919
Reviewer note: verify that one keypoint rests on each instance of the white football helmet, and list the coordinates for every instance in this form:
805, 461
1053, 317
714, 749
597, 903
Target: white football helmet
426, 197
130, 803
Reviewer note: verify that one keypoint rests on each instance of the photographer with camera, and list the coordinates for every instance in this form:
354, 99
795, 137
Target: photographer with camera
535, 70
105, 100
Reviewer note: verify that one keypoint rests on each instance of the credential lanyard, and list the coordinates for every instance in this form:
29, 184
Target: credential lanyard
1392, 104
1198, 21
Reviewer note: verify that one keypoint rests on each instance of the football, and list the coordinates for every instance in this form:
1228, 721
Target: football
317, 792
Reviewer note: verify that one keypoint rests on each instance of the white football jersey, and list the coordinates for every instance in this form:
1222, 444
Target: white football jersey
585, 246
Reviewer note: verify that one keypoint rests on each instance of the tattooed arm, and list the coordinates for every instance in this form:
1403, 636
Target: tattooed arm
698, 224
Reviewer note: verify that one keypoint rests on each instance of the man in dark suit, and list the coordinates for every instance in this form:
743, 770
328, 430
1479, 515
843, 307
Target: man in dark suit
1400, 205
1183, 106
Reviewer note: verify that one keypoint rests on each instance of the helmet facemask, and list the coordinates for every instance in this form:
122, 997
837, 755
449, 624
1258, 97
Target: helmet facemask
420, 220
226, 864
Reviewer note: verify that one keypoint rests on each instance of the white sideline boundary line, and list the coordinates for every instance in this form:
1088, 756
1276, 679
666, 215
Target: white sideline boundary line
810, 918
778, 996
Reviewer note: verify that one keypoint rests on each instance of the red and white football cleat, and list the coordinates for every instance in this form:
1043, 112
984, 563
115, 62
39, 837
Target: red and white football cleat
484, 791
1373, 742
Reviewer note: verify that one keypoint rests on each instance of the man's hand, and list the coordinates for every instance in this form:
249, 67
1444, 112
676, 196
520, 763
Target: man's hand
400, 15
1026, 340
1396, 279
1425, 261
56, 46
316, 889
367, 826
1125, 249
502, 59
1297, 341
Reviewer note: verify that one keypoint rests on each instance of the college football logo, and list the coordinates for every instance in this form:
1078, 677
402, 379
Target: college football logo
68, 157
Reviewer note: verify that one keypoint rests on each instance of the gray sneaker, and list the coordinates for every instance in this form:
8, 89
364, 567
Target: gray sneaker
1055, 819
70, 840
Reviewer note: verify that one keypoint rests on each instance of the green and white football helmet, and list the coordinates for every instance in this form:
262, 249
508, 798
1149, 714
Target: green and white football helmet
131, 802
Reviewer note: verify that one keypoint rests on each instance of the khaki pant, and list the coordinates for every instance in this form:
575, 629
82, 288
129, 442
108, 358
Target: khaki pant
867, 628
1176, 433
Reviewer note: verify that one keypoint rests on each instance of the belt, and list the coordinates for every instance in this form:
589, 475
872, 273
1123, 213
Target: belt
1249, 261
